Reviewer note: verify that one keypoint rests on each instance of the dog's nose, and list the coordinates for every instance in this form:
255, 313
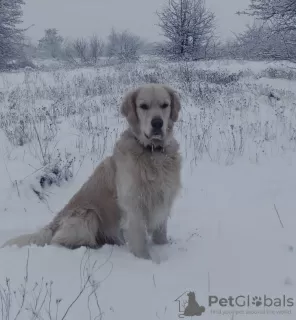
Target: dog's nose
156, 123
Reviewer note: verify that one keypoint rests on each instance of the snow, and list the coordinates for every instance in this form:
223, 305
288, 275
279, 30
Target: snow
232, 230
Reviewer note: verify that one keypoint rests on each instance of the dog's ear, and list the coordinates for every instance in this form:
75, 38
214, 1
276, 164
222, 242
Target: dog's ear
128, 106
175, 103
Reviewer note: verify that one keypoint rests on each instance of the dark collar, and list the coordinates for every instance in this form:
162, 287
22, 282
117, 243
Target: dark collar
150, 147
153, 148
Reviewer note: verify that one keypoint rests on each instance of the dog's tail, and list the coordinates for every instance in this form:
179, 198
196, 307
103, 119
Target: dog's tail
39, 238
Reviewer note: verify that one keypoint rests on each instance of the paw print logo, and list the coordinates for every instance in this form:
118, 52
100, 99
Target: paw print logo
257, 301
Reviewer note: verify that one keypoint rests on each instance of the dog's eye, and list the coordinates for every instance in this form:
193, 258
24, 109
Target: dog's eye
144, 106
165, 105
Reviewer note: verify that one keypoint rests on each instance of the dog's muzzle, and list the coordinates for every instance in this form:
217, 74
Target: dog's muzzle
156, 131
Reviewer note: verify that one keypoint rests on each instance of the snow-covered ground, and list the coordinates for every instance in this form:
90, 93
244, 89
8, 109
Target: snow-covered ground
232, 230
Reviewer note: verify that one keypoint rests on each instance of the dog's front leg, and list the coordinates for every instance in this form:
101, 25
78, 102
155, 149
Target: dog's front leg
135, 235
159, 235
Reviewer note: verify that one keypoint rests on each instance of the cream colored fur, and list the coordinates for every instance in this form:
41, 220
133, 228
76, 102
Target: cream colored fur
131, 192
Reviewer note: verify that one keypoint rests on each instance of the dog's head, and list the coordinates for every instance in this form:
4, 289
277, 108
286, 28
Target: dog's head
151, 111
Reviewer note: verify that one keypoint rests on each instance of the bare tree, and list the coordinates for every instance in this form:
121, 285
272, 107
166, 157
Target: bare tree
124, 46
281, 13
258, 42
188, 27
30, 49
69, 53
96, 48
112, 43
11, 37
280, 17
81, 48
252, 44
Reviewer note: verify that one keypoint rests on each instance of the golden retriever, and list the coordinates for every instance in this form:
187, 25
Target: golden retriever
130, 193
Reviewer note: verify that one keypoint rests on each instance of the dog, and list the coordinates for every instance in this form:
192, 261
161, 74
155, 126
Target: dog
130, 194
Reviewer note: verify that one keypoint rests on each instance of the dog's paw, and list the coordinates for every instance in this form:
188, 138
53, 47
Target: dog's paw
160, 241
145, 257
142, 254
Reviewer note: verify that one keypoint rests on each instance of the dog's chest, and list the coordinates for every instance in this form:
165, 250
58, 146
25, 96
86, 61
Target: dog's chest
158, 177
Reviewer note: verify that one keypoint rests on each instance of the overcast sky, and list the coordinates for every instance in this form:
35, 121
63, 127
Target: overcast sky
75, 18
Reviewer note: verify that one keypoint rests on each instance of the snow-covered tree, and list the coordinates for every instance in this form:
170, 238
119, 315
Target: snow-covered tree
80, 46
125, 46
51, 44
11, 35
258, 42
96, 48
280, 13
279, 18
188, 27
